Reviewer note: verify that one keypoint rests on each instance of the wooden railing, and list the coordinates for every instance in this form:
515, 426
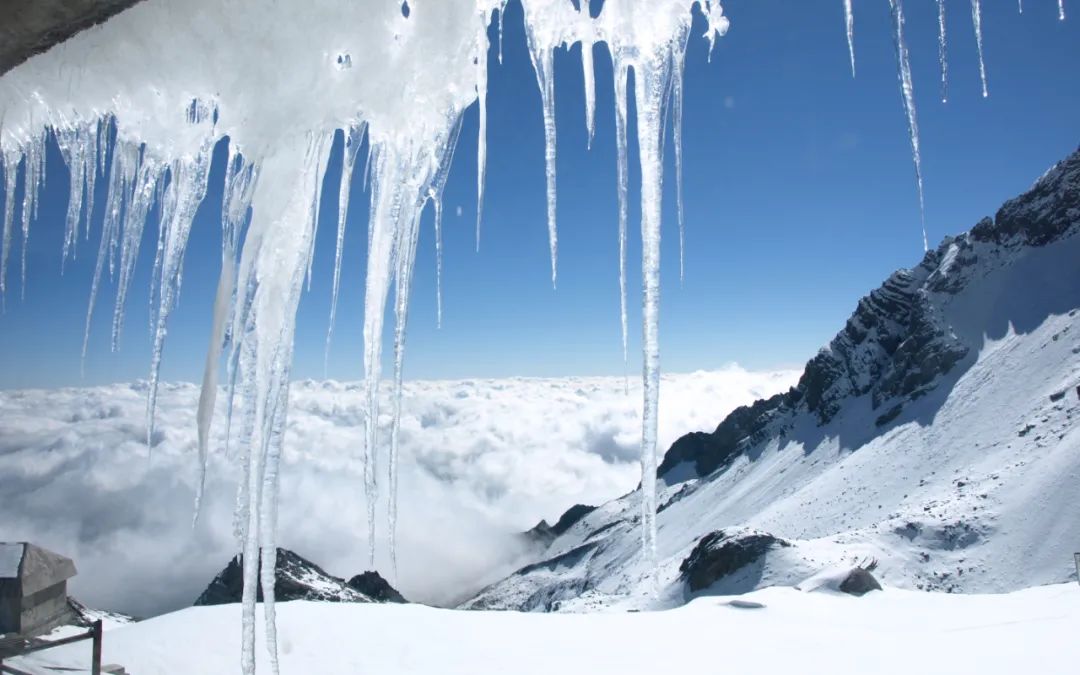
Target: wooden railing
18, 645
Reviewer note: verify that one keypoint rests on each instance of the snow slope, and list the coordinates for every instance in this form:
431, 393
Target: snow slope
938, 433
893, 631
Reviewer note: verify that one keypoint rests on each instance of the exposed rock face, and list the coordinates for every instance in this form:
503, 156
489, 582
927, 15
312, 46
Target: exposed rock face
543, 534
296, 578
572, 516
859, 582
897, 346
30, 28
375, 587
719, 554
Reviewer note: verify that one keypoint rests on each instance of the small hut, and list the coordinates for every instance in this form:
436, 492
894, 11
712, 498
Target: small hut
33, 589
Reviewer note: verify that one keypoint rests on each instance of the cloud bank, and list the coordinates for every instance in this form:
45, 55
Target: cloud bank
480, 460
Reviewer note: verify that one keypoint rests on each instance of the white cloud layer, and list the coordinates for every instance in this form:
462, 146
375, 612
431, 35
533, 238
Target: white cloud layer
480, 460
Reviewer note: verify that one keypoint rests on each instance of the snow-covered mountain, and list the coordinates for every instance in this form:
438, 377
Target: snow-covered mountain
297, 578
938, 434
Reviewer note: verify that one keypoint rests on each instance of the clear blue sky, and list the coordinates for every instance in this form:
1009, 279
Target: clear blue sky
799, 196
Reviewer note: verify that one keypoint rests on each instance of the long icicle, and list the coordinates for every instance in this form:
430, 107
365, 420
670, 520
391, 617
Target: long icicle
849, 23
240, 182
186, 190
481, 134
907, 94
650, 87
353, 137
438, 263
621, 76
943, 57
976, 20
11, 172
406, 258
543, 63
271, 276
408, 235
121, 179
150, 175
589, 73
1061, 10
678, 58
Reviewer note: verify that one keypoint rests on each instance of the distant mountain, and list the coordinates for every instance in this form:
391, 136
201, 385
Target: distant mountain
543, 534
296, 578
937, 435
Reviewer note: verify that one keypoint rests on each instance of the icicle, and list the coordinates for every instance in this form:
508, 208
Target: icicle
438, 262
406, 257
1021, 5
676, 118
408, 235
650, 85
314, 219
849, 22
185, 192
942, 56
32, 179
240, 181
1061, 10
353, 137
621, 75
72, 148
543, 63
271, 275
481, 136
91, 144
907, 93
502, 12
121, 177
976, 20
150, 175
11, 172
590, 84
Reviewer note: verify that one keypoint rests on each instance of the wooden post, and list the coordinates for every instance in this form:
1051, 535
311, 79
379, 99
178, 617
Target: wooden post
95, 666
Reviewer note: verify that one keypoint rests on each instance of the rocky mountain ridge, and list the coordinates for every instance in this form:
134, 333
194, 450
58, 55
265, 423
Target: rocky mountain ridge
296, 578
934, 433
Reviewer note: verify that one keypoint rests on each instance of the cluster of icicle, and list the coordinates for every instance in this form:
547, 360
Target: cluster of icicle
907, 87
143, 100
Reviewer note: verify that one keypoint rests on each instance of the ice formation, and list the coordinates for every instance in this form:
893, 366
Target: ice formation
144, 99
849, 23
976, 20
151, 131
943, 58
907, 94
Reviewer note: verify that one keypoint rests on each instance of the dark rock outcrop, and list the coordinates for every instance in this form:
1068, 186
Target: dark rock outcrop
719, 554
542, 534
295, 578
375, 587
859, 582
571, 517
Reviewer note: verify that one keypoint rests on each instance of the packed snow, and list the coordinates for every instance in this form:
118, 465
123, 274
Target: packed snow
485, 458
890, 631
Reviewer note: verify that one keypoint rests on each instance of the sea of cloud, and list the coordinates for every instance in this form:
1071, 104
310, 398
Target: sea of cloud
480, 461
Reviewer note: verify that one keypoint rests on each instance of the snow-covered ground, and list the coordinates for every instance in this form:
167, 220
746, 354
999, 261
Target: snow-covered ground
893, 631
481, 460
